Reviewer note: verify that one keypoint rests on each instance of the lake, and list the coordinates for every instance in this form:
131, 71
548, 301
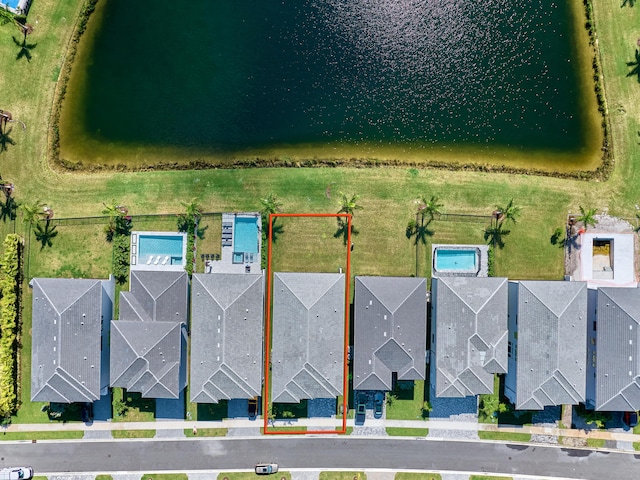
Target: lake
494, 81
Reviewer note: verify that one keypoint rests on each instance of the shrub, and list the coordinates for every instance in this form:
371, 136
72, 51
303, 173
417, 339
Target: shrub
9, 321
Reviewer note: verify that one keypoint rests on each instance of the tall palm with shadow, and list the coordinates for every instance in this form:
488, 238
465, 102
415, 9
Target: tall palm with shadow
635, 70
45, 233
25, 48
419, 228
5, 139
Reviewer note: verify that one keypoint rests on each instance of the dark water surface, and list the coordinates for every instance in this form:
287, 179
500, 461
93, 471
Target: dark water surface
231, 75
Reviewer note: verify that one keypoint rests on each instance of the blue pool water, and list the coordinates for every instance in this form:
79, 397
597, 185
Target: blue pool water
167, 245
455, 260
245, 234
10, 3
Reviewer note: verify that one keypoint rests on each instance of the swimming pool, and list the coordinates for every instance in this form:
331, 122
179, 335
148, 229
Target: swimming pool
460, 260
165, 248
245, 234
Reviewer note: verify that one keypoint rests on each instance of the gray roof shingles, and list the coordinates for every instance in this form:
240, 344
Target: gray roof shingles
552, 344
618, 342
470, 316
149, 342
226, 336
66, 335
390, 329
308, 336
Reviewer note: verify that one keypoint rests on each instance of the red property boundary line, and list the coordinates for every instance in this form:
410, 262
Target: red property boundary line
267, 345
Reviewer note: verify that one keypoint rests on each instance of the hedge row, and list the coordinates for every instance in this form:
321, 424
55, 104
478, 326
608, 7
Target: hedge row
9, 322
120, 263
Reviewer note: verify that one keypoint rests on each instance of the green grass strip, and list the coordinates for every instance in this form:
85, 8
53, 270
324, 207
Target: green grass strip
42, 435
508, 436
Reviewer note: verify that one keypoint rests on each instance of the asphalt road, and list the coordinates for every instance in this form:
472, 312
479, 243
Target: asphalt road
346, 453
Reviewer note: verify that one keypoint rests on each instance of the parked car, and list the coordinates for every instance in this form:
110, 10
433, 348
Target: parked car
361, 408
631, 419
266, 468
253, 408
16, 473
378, 401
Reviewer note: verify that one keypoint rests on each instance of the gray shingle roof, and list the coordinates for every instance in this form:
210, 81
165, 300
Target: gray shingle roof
390, 329
149, 357
226, 336
308, 336
148, 343
552, 344
67, 333
470, 319
618, 341
155, 296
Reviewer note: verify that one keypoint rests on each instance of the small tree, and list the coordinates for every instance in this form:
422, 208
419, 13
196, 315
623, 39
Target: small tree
587, 217
429, 207
508, 213
349, 204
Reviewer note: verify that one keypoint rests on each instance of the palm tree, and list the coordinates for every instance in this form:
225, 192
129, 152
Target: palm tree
635, 71
348, 204
270, 204
19, 22
32, 213
190, 218
117, 215
25, 48
494, 235
429, 207
509, 213
5, 139
587, 217
44, 234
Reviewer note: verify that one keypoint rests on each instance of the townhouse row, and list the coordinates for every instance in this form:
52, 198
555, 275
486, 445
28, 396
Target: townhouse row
557, 342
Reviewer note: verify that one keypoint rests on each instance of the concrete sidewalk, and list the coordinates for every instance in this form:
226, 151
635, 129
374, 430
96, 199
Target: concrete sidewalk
318, 424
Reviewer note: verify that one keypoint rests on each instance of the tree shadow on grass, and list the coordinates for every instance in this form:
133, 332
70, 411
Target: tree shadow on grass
25, 48
5, 140
8, 210
45, 234
343, 230
635, 71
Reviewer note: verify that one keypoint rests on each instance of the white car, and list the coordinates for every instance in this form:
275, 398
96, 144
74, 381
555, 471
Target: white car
266, 468
16, 473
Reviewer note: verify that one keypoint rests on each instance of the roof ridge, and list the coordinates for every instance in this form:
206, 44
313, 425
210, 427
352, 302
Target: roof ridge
235, 378
633, 317
493, 294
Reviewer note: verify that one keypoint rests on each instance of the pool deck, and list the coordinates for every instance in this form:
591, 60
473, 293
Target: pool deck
483, 271
225, 264
156, 263
21, 8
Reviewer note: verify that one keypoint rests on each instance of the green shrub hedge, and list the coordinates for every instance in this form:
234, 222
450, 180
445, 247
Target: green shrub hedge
9, 322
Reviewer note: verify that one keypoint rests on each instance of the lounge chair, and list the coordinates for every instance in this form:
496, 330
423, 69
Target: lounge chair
166, 259
150, 259
157, 260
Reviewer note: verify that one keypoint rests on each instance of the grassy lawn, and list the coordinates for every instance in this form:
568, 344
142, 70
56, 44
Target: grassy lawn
408, 402
249, 476
342, 476
291, 428
407, 432
596, 442
206, 432
507, 436
417, 476
61, 435
164, 476
104, 477
133, 433
139, 409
